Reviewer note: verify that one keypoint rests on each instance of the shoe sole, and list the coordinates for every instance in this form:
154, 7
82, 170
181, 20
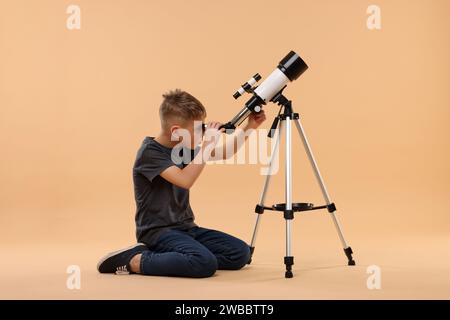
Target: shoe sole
111, 254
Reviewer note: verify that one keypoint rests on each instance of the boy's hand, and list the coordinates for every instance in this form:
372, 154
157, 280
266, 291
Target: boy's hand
255, 120
212, 134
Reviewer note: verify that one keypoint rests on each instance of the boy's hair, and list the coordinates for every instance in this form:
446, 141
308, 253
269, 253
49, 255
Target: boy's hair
180, 105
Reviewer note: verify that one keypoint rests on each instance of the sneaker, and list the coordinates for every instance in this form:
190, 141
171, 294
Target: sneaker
118, 262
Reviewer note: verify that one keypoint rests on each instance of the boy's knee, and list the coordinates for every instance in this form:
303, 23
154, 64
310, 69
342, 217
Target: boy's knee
241, 257
245, 255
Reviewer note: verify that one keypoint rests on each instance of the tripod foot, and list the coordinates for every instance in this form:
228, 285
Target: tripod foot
348, 252
252, 249
288, 261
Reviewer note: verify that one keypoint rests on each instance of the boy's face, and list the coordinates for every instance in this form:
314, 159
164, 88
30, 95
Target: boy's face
190, 133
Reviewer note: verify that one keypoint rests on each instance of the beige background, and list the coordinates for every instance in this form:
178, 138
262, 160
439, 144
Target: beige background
75, 106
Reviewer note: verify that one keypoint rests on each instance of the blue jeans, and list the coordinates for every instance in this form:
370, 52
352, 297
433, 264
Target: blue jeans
197, 252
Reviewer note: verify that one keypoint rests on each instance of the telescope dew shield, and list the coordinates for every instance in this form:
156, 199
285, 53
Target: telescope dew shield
288, 69
292, 66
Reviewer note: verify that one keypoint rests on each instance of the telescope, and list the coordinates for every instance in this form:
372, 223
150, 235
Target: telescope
288, 70
271, 90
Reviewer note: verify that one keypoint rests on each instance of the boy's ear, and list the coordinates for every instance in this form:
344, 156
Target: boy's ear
175, 135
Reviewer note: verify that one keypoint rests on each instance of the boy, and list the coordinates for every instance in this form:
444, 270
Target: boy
170, 243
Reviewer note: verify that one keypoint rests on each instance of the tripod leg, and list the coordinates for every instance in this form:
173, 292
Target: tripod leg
331, 207
264, 192
288, 213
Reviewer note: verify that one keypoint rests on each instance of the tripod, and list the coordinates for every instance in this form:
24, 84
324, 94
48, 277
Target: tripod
283, 121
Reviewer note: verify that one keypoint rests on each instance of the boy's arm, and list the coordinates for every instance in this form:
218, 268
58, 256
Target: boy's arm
254, 121
186, 177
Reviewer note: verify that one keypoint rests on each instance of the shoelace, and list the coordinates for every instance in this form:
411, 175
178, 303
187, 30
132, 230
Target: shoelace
122, 270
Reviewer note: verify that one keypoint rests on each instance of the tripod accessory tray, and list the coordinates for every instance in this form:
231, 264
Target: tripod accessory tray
296, 206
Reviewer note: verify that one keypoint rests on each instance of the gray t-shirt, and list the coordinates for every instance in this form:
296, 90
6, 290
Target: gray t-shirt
160, 205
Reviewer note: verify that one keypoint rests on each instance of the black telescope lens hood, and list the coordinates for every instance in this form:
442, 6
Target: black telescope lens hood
292, 66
